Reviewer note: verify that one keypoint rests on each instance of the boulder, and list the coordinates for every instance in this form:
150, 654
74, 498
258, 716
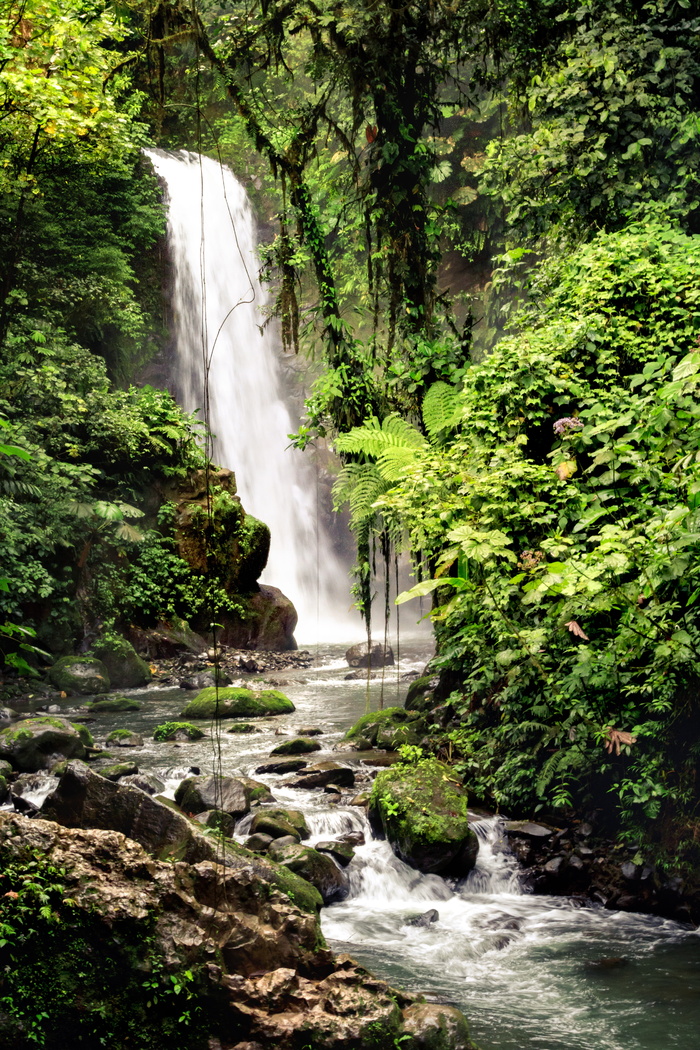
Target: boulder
232, 795
263, 976
434, 1026
423, 812
113, 703
341, 852
274, 826
242, 727
282, 765
205, 680
79, 675
116, 770
123, 738
291, 816
299, 745
314, 867
376, 655
218, 820
420, 693
125, 667
147, 782
387, 729
38, 743
324, 773
242, 703
167, 640
425, 919
258, 843
181, 731
270, 619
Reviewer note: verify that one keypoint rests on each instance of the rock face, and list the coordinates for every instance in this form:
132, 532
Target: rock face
237, 703
269, 622
125, 667
80, 675
423, 812
374, 656
38, 743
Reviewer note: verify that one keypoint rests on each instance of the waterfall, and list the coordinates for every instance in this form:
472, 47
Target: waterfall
219, 304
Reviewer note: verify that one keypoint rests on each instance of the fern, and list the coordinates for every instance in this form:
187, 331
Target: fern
374, 438
441, 409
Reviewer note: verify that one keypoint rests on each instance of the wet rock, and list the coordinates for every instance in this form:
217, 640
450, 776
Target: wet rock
233, 795
218, 820
79, 675
420, 693
123, 738
125, 667
425, 919
353, 838
282, 765
314, 867
361, 800
258, 843
116, 770
555, 865
180, 731
630, 871
324, 773
275, 827
242, 727
309, 731
114, 703
37, 743
432, 1026
423, 813
147, 782
387, 729
361, 675
206, 680
341, 852
375, 656
293, 818
242, 703
297, 746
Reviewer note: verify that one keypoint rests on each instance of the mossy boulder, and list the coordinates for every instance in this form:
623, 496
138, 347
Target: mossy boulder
434, 1026
387, 729
423, 812
38, 743
275, 827
293, 817
235, 702
420, 693
124, 738
115, 770
181, 731
242, 727
114, 703
125, 667
313, 867
233, 795
299, 745
80, 675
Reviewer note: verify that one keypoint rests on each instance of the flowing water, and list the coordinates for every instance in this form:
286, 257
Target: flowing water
530, 972
220, 326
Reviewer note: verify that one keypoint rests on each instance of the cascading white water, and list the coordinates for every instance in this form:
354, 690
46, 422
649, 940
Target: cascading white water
219, 305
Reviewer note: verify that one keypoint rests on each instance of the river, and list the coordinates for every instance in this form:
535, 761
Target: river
530, 972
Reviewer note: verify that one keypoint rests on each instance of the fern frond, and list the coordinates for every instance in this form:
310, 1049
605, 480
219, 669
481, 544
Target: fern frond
441, 409
373, 437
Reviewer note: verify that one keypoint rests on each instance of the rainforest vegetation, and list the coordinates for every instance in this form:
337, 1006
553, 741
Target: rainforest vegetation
485, 235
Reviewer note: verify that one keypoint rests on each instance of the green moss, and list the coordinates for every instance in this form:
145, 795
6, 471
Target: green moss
302, 893
241, 727
388, 729
114, 703
425, 801
79, 674
297, 746
226, 703
167, 730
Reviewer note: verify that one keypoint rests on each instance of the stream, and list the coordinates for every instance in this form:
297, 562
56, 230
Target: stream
530, 972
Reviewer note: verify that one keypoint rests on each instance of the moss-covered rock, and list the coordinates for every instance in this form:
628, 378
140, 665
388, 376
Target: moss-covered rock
387, 729
181, 731
116, 770
293, 817
38, 743
125, 667
233, 795
313, 867
299, 745
434, 1026
80, 675
423, 811
242, 703
242, 727
124, 738
420, 693
114, 703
